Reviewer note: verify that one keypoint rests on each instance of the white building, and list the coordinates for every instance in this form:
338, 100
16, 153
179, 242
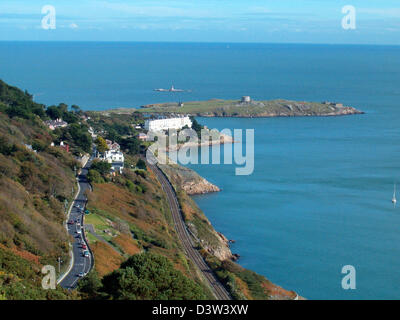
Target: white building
113, 156
246, 99
167, 123
54, 124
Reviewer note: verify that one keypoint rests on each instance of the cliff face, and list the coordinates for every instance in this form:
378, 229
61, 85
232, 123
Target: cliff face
201, 229
188, 182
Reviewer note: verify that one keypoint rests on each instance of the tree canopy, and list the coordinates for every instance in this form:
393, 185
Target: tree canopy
148, 276
101, 144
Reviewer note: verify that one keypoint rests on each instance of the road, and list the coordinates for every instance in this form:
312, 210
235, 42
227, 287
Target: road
81, 264
218, 289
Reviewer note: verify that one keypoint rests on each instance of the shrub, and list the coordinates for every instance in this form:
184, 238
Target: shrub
141, 164
148, 276
94, 176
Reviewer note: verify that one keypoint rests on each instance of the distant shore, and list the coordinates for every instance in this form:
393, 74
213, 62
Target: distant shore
245, 109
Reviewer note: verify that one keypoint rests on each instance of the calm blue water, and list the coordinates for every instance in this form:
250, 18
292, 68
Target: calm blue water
319, 197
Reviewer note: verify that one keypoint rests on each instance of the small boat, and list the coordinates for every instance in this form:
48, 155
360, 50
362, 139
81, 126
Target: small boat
394, 200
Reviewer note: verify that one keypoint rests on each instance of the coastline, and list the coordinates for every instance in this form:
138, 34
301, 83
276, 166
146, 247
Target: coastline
223, 139
216, 246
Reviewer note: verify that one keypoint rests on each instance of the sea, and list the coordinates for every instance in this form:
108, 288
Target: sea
319, 198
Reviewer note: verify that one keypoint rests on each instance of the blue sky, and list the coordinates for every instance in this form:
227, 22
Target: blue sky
307, 21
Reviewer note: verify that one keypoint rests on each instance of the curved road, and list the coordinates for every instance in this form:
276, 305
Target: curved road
218, 289
81, 265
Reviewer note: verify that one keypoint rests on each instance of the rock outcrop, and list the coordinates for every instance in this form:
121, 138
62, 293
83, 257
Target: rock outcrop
199, 187
190, 181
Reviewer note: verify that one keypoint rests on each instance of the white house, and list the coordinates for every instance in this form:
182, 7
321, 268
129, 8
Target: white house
54, 124
116, 158
167, 123
113, 156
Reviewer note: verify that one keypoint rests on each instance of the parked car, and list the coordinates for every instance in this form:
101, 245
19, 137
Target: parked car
80, 274
84, 246
71, 222
86, 253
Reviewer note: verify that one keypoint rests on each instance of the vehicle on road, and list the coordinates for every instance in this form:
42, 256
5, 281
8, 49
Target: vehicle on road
71, 222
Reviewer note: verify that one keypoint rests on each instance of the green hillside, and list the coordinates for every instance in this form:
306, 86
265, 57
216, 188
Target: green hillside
36, 182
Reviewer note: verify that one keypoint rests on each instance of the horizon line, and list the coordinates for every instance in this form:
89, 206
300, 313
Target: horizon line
206, 42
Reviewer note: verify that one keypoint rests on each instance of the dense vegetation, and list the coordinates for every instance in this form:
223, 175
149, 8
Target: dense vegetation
144, 276
149, 276
121, 129
36, 185
16, 103
20, 278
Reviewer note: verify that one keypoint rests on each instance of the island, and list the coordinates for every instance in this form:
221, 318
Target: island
246, 108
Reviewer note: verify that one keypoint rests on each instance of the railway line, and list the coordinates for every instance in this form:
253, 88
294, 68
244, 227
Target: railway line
218, 289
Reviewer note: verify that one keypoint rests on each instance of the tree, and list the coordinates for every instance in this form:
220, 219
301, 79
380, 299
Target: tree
141, 164
149, 276
101, 144
76, 108
94, 176
90, 285
63, 108
196, 126
131, 145
80, 136
54, 112
101, 166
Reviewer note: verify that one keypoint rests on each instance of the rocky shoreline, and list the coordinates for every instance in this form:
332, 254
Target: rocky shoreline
213, 242
251, 109
222, 139
346, 111
190, 181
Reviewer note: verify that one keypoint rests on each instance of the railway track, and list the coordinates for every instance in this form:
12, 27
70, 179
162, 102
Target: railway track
219, 290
